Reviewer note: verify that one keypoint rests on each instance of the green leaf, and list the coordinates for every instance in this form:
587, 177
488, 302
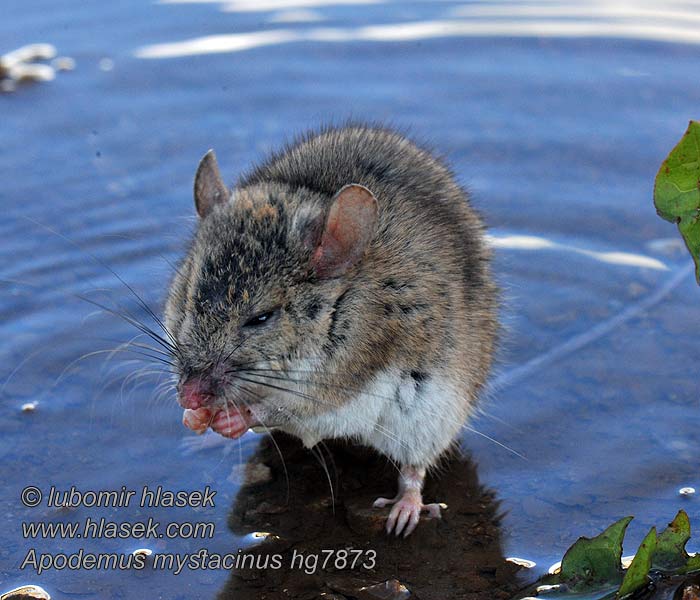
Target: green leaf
594, 562
677, 190
637, 575
692, 565
670, 548
592, 566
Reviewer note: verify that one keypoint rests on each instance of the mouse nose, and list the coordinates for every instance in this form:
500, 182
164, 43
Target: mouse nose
195, 393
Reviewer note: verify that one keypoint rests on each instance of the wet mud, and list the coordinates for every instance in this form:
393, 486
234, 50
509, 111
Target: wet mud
457, 556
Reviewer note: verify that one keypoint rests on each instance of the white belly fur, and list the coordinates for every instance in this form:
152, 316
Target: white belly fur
410, 428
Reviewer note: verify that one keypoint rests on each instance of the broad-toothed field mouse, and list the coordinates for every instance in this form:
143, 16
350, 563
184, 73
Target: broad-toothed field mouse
340, 290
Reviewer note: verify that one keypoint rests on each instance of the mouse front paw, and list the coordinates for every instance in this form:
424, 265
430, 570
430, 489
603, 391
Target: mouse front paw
230, 423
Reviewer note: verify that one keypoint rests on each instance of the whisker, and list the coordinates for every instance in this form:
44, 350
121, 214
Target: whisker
274, 441
169, 348
355, 390
230, 354
477, 432
145, 347
318, 456
322, 461
375, 425
127, 317
255, 373
99, 261
110, 353
21, 364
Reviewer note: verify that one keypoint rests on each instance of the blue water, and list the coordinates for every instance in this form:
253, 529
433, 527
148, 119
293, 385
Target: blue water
557, 133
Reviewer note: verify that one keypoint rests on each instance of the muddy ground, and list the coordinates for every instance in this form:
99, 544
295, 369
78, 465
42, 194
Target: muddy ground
458, 556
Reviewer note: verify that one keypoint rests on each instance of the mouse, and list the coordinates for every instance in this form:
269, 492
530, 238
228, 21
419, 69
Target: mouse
341, 288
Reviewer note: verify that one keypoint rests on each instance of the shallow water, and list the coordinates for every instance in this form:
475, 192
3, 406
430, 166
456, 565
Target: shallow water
556, 119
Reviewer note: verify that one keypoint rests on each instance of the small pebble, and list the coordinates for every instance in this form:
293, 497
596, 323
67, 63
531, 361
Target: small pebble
27, 54
63, 63
686, 491
259, 537
32, 72
25, 64
106, 64
546, 589
388, 590
26, 591
522, 562
142, 551
29, 407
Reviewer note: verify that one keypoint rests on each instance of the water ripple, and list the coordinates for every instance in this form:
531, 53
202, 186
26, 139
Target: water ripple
638, 21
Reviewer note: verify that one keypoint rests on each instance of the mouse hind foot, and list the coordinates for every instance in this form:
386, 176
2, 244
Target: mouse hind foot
405, 512
408, 503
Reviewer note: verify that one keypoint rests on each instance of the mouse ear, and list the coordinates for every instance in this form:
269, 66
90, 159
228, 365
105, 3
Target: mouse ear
209, 188
349, 228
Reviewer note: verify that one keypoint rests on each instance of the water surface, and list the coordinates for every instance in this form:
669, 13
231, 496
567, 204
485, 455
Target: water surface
555, 116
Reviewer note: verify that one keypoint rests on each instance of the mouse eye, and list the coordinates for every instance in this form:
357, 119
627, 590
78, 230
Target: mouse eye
261, 319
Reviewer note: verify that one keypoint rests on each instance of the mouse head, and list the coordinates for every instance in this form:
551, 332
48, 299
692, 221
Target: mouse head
252, 304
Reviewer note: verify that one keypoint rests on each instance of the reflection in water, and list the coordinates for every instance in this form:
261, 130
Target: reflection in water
635, 20
264, 5
575, 343
304, 523
531, 242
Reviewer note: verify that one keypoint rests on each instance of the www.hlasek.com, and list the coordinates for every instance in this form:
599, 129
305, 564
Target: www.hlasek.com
102, 528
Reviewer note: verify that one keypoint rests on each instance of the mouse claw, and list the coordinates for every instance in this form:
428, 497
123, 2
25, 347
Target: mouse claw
405, 512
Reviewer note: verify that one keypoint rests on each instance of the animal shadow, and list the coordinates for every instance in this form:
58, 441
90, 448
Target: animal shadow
309, 543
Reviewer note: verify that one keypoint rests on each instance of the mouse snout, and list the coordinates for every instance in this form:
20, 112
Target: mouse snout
195, 393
